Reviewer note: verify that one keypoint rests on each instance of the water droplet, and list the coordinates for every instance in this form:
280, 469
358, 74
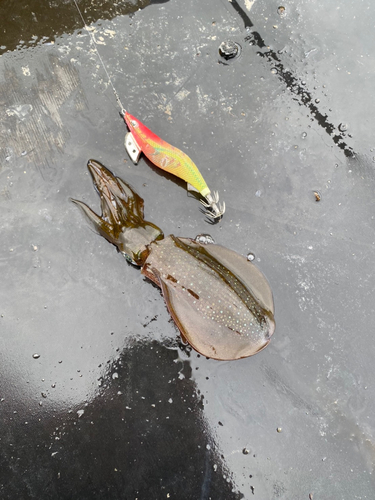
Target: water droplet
208, 447
258, 193
281, 11
343, 127
279, 429
317, 101
80, 413
36, 356
245, 451
250, 257
274, 71
204, 239
304, 135
115, 375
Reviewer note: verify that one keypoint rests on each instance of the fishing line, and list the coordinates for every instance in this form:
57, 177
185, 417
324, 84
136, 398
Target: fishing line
123, 110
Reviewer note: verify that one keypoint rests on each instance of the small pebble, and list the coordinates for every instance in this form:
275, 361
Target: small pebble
318, 196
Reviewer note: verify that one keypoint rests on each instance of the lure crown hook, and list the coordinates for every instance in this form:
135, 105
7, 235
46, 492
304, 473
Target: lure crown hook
215, 209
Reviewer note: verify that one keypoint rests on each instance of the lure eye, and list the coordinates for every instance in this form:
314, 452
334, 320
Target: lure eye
133, 123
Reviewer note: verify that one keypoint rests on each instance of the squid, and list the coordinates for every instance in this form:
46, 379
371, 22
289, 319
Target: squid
221, 303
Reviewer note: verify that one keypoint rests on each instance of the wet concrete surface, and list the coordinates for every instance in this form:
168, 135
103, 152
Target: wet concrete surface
98, 396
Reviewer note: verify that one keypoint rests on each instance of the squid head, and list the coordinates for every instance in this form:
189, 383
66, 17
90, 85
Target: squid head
122, 221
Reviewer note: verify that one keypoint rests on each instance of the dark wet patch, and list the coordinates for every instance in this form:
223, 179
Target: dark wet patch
245, 18
142, 436
24, 24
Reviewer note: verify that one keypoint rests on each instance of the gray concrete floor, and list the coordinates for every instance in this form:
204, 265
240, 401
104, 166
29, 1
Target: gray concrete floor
115, 407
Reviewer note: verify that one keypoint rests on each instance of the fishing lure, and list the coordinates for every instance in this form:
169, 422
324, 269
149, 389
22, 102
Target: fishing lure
172, 160
159, 152
221, 303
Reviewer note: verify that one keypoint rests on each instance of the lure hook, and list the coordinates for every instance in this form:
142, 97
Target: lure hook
215, 209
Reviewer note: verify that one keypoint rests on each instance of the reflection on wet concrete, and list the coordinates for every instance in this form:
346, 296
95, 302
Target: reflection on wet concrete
319, 255
294, 84
143, 436
24, 24
32, 123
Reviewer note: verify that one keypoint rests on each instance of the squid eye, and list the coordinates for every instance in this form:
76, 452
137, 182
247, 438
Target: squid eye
128, 258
